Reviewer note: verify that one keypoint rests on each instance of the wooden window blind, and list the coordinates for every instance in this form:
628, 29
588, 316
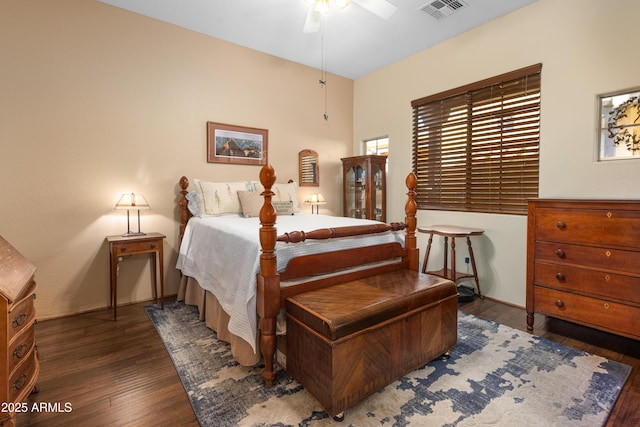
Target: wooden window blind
475, 148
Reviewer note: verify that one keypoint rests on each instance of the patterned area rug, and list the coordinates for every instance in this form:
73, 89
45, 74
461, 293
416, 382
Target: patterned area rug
496, 376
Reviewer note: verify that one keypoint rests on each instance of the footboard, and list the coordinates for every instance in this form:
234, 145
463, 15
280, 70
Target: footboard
316, 271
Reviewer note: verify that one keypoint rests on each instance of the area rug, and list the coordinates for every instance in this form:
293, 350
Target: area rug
496, 376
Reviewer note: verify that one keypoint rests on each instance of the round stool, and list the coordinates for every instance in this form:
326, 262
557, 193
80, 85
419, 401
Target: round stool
452, 231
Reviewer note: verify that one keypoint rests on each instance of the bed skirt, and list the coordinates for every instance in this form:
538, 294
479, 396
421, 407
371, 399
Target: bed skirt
216, 319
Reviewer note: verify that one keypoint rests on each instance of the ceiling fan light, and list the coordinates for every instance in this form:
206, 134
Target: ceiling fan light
321, 6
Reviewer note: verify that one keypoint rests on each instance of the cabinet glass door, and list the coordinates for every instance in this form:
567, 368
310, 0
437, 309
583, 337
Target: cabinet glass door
377, 193
354, 178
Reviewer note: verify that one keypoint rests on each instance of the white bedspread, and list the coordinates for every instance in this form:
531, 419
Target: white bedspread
223, 254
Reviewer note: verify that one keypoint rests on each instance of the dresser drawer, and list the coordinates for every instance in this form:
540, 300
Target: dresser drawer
610, 316
22, 381
585, 281
127, 248
599, 258
589, 226
21, 315
21, 346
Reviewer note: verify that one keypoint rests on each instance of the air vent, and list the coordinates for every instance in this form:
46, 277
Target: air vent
442, 8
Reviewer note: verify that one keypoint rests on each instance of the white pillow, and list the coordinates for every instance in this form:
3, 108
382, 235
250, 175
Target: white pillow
218, 198
283, 193
251, 203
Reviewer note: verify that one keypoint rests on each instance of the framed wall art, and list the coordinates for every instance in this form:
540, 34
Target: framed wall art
236, 144
619, 127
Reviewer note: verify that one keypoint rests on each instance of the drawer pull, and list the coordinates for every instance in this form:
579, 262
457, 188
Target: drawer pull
561, 225
19, 320
152, 246
560, 253
606, 305
21, 350
559, 303
20, 382
559, 276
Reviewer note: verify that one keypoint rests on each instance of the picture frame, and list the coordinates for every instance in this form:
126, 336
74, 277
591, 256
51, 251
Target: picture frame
236, 144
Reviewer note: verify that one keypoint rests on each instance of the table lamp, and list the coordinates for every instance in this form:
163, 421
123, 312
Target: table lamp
315, 199
129, 202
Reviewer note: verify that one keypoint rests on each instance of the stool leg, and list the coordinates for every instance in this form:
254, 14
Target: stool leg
473, 266
446, 253
453, 259
426, 254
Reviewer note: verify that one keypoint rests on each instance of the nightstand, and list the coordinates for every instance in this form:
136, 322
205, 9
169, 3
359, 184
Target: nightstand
120, 246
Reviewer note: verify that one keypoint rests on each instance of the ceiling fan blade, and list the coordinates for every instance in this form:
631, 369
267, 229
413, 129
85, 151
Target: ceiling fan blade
312, 24
382, 8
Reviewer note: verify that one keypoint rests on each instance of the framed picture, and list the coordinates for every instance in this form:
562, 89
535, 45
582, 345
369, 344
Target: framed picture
619, 132
236, 144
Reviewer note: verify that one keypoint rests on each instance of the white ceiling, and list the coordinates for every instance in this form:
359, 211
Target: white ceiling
356, 41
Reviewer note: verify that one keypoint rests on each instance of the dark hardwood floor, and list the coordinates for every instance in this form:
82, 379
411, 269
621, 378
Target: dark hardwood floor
112, 373
120, 374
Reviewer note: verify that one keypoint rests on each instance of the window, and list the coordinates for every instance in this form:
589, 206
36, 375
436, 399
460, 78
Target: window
475, 148
378, 146
620, 126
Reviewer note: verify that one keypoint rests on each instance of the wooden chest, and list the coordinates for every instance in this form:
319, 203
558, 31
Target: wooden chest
18, 355
346, 341
583, 263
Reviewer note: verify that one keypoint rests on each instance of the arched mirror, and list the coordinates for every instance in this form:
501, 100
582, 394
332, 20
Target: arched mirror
308, 168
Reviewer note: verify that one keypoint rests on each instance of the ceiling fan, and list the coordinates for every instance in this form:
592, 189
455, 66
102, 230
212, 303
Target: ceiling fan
318, 8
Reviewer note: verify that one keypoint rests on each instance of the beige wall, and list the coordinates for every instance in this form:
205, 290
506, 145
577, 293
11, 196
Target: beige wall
586, 48
96, 101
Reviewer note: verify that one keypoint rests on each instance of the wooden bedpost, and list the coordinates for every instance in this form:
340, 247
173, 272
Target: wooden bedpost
268, 292
410, 209
184, 205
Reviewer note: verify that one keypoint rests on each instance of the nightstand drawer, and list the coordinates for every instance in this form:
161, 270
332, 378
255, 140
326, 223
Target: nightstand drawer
126, 248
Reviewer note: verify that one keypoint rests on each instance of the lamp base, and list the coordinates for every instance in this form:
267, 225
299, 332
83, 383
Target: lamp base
134, 233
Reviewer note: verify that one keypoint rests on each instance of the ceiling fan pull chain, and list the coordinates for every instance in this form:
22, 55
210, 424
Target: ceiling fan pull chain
323, 78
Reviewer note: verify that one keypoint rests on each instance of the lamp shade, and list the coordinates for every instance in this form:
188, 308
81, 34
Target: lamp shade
315, 199
132, 201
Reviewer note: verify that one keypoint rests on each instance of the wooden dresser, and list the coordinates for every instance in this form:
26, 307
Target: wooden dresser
18, 354
583, 263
